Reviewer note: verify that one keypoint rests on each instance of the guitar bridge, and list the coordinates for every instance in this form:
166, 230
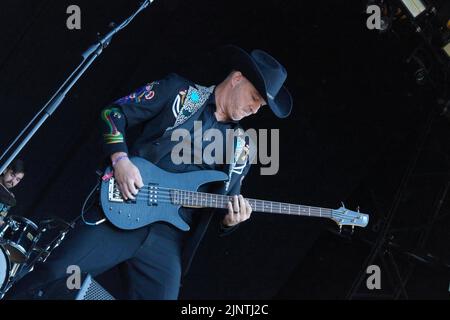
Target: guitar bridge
114, 194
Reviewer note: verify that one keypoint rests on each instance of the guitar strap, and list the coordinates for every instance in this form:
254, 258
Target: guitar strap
193, 107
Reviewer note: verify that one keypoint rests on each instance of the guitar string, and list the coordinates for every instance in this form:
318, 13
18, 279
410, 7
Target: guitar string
165, 195
316, 215
260, 208
219, 195
316, 212
312, 211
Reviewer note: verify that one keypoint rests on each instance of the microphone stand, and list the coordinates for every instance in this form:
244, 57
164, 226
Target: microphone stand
47, 110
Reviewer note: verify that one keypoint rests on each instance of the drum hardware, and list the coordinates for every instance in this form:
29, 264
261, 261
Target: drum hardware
23, 244
19, 235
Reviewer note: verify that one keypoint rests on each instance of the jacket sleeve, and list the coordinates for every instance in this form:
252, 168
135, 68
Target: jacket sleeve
138, 107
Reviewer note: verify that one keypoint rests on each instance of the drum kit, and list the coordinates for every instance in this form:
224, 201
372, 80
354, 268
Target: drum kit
23, 244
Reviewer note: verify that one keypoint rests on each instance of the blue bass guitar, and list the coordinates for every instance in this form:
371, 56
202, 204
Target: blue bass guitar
164, 193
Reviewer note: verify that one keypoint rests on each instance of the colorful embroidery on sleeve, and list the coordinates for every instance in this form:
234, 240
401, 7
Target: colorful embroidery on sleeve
144, 93
114, 135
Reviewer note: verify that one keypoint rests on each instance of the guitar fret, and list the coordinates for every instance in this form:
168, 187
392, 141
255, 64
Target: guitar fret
211, 200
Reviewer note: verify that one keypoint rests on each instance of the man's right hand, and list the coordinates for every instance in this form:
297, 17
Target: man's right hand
127, 176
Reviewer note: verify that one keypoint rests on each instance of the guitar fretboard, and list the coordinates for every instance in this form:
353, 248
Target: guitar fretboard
211, 200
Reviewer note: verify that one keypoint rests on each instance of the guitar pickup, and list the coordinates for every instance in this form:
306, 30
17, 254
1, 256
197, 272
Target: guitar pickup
153, 194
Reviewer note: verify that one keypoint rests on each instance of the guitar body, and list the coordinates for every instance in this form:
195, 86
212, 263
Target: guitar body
153, 202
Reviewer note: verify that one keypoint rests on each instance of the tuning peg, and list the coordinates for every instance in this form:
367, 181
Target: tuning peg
353, 229
357, 208
340, 229
342, 204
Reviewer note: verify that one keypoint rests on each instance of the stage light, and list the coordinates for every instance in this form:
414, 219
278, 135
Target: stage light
446, 49
415, 7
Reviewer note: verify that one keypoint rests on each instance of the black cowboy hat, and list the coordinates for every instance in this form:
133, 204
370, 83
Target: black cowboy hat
264, 72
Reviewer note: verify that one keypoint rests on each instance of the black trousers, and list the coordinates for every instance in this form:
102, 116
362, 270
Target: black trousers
150, 257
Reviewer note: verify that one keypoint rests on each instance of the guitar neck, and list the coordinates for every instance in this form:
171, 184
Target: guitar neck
211, 200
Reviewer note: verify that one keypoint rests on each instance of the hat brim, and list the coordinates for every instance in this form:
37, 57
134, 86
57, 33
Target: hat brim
235, 58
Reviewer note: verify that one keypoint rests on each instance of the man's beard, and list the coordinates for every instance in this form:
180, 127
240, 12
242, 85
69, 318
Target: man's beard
8, 184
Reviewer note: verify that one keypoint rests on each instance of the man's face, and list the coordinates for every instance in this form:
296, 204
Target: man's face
10, 179
244, 99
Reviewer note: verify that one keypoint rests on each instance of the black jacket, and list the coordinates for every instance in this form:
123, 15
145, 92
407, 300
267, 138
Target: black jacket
161, 107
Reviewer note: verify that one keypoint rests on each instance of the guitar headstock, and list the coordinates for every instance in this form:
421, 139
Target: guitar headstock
346, 217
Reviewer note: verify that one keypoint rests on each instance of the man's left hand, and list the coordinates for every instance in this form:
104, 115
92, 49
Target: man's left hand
238, 211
